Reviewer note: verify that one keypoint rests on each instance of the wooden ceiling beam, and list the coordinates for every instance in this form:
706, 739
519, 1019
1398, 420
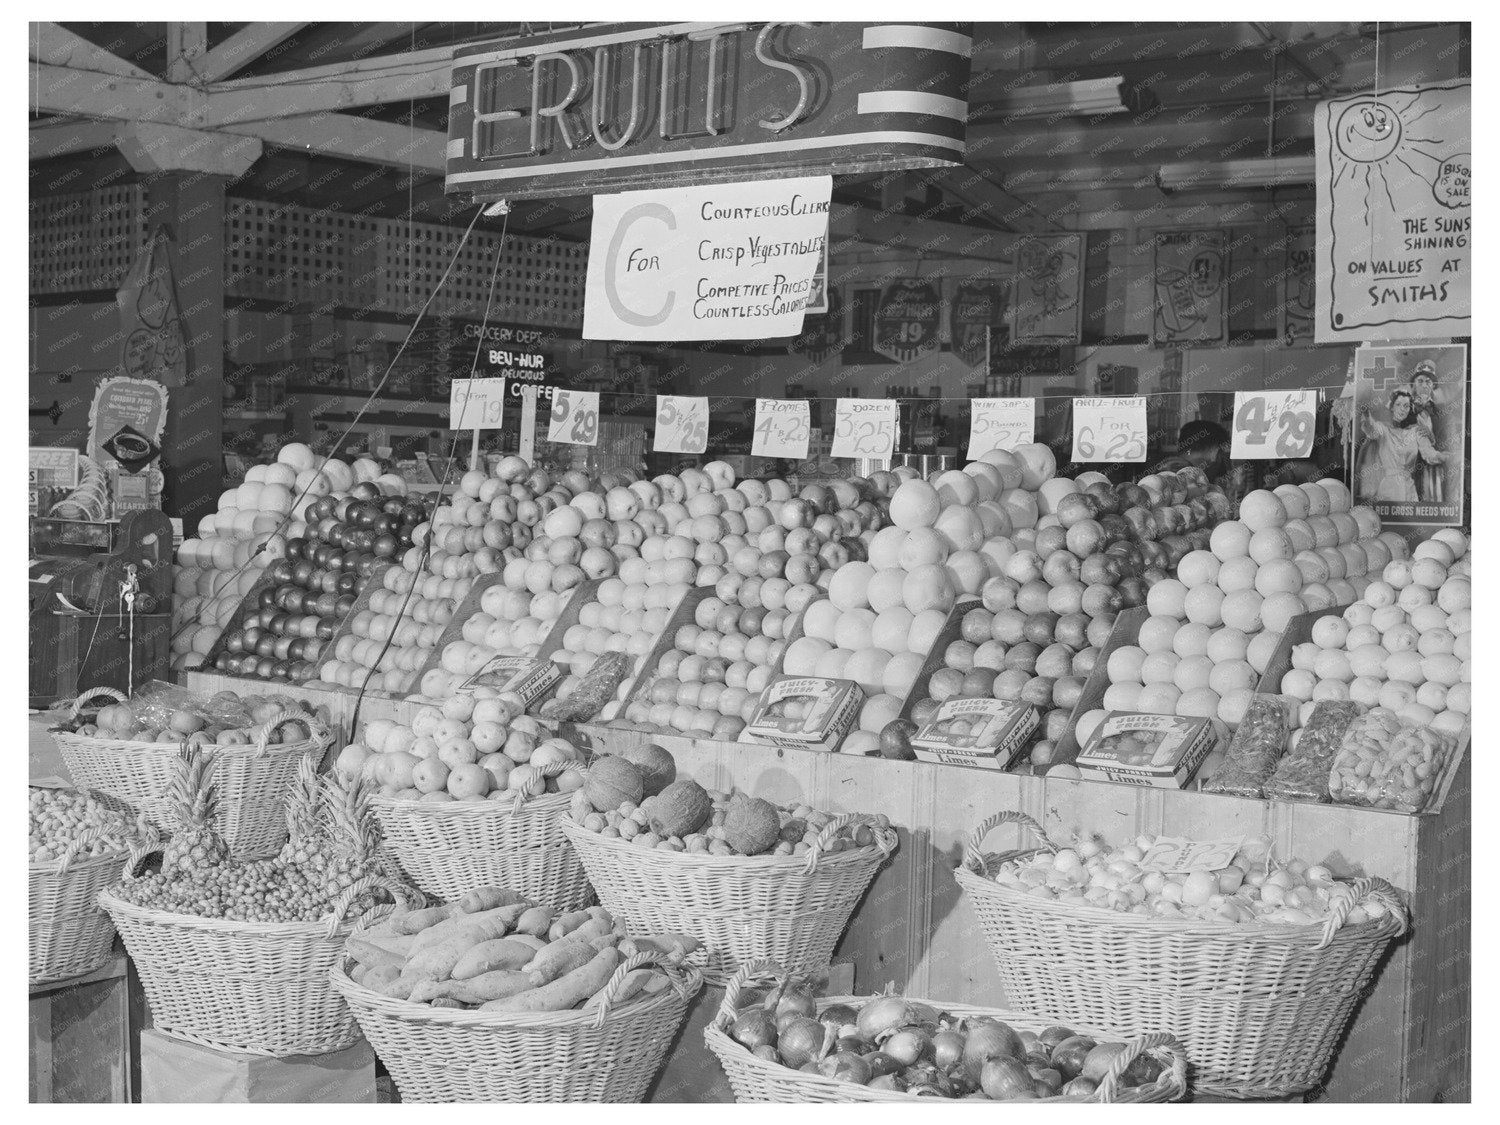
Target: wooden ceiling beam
112, 97
152, 148
339, 86
54, 138
243, 48
354, 138
55, 45
187, 43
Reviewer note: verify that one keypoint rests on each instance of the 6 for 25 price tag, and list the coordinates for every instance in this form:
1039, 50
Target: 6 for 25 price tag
1273, 425
864, 427
1109, 429
575, 418
1000, 423
781, 429
681, 424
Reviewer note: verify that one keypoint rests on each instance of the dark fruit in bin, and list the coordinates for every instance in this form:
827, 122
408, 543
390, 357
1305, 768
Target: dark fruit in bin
895, 740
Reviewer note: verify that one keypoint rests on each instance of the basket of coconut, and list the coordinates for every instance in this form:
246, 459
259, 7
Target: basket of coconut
236, 954
1255, 966
748, 879
128, 749
517, 1002
778, 1043
475, 802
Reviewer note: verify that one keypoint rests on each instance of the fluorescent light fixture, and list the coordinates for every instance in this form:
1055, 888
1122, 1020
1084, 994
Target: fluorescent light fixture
1264, 172
1053, 181
1059, 99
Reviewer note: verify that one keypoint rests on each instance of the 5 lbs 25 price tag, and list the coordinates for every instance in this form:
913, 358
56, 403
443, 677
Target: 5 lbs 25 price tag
1273, 425
1109, 429
864, 427
476, 404
575, 418
681, 424
1000, 423
782, 427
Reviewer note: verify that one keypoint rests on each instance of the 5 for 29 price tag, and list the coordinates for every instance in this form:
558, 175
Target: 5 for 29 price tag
1109, 429
1273, 425
575, 418
864, 427
681, 424
781, 429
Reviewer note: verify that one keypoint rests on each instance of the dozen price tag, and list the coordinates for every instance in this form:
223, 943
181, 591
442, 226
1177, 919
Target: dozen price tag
782, 427
575, 418
1273, 425
681, 424
476, 404
865, 427
1109, 429
1000, 423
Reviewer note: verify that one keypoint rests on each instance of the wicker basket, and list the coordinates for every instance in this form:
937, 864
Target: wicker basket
259, 987
450, 847
789, 909
1259, 1007
70, 935
252, 780
470, 1055
755, 1079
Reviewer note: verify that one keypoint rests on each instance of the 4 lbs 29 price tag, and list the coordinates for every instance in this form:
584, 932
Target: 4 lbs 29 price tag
1273, 425
781, 429
681, 424
865, 427
575, 418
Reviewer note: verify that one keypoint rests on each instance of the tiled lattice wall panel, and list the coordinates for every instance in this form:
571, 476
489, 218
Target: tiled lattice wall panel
85, 240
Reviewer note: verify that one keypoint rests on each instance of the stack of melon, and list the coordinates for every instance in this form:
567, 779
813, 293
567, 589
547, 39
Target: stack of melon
217, 567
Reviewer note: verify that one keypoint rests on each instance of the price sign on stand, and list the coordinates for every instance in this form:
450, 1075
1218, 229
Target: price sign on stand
1273, 425
1000, 423
865, 427
1109, 429
476, 404
681, 424
782, 427
575, 418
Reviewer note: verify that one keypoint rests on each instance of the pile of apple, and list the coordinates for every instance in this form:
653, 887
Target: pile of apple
472, 747
1405, 645
314, 585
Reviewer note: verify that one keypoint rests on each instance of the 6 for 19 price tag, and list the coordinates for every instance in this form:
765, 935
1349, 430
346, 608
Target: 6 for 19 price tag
1273, 425
681, 424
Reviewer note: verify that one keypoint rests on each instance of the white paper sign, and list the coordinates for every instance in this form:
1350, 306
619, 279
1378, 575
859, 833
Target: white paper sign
681, 424
476, 404
55, 466
1175, 854
575, 417
1109, 429
719, 262
865, 427
782, 427
1000, 423
1273, 425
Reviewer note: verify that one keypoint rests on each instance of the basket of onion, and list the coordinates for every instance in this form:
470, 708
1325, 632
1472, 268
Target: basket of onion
1254, 965
781, 1044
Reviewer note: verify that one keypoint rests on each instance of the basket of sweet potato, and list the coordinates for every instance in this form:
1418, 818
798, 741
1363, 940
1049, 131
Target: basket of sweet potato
517, 1002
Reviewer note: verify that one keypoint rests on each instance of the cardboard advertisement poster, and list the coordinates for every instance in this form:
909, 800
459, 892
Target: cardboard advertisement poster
821, 335
1409, 431
1298, 285
978, 314
717, 262
1393, 215
1047, 295
149, 318
1192, 293
908, 319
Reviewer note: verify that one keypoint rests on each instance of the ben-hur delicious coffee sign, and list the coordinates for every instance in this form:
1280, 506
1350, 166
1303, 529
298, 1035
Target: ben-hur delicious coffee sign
619, 106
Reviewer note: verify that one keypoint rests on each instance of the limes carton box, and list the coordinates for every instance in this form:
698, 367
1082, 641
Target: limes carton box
976, 732
527, 676
805, 712
1163, 751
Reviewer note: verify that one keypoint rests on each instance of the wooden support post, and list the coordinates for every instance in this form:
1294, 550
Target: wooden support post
191, 207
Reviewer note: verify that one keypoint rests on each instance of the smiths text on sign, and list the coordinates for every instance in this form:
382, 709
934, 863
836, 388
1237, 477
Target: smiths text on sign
619, 106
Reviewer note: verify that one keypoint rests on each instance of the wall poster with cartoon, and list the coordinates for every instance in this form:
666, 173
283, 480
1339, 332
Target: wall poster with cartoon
1409, 432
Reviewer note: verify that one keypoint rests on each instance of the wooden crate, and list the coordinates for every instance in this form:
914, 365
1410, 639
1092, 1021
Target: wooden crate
80, 1037
175, 1070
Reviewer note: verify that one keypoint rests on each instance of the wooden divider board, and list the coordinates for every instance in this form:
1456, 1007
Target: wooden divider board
1409, 1038
1126, 631
1298, 631
936, 655
454, 630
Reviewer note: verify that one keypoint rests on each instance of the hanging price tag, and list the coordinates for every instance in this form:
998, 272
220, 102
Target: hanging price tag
782, 427
1176, 854
476, 404
865, 427
1000, 423
681, 424
1109, 429
1273, 425
575, 418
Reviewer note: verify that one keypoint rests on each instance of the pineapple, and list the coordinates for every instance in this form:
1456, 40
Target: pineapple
304, 822
352, 834
195, 845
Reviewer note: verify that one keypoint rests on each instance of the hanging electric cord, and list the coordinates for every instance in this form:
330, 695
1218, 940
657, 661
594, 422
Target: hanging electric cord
458, 430
359, 414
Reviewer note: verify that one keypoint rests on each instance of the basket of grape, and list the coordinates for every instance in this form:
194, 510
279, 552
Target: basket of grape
777, 1042
236, 954
127, 748
79, 846
1255, 966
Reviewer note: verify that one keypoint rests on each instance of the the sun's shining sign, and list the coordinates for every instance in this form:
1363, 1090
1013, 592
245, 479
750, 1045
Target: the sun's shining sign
619, 106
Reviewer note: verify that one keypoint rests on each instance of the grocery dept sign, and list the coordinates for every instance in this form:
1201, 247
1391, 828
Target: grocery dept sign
620, 106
